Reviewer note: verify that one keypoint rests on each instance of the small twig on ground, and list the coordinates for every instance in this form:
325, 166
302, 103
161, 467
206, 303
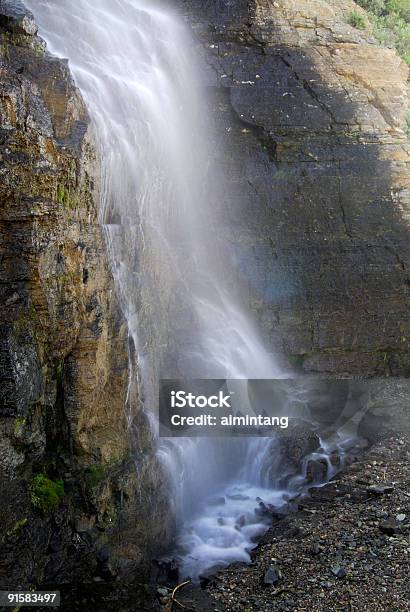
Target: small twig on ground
282, 590
173, 598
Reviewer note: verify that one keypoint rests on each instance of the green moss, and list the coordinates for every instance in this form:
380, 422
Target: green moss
17, 526
63, 195
94, 475
372, 6
46, 494
19, 425
39, 48
356, 20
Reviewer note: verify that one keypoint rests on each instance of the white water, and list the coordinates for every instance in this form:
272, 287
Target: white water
133, 62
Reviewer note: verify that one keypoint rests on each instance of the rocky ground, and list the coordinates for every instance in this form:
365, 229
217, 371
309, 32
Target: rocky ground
347, 548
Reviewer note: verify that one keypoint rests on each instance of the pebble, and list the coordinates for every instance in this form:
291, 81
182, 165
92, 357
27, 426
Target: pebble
388, 527
162, 591
338, 571
364, 556
315, 549
375, 490
272, 575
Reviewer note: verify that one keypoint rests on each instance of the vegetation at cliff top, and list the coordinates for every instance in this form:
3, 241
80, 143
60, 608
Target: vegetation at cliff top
46, 494
390, 23
356, 20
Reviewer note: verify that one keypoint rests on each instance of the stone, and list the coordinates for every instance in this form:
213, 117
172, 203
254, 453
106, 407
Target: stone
389, 527
338, 571
16, 18
272, 575
289, 450
241, 522
380, 490
217, 501
316, 470
163, 591
238, 497
315, 549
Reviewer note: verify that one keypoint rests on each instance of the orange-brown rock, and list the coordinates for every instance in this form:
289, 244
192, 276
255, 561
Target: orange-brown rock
64, 354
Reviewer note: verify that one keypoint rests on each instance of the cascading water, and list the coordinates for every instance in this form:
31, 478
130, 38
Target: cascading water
133, 63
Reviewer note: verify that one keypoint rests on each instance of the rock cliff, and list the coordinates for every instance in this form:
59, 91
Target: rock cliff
64, 379
311, 116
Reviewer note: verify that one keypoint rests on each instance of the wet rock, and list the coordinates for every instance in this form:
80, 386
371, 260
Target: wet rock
165, 571
262, 510
294, 446
316, 470
217, 501
335, 459
241, 521
238, 497
16, 18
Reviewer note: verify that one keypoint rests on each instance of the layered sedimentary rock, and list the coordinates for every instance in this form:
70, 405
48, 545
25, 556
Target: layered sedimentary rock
312, 114
64, 379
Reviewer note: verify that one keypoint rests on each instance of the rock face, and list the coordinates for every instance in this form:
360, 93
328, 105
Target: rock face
312, 117
64, 378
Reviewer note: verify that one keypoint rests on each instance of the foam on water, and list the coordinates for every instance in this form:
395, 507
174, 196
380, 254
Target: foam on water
227, 528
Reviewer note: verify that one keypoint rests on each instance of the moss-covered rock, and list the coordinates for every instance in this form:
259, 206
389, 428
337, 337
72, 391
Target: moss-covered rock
46, 494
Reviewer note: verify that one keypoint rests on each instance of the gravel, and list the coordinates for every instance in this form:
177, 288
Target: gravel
346, 548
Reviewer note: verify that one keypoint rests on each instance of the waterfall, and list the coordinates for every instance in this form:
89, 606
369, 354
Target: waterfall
135, 65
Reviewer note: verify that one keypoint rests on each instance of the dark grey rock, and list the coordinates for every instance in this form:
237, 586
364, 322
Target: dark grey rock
380, 490
16, 18
338, 571
315, 549
389, 527
272, 575
316, 470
